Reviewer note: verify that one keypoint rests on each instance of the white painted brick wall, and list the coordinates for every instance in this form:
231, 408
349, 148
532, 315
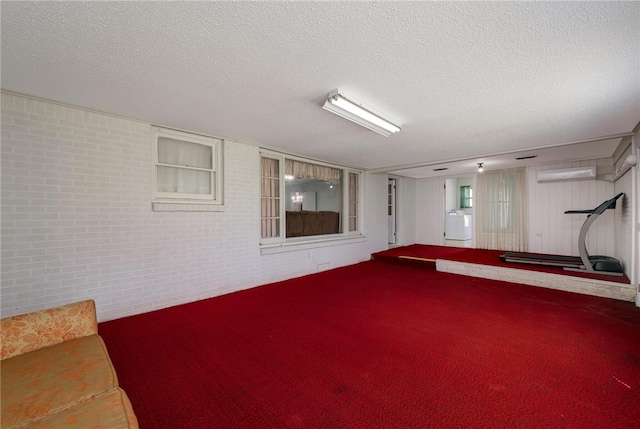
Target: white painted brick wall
77, 220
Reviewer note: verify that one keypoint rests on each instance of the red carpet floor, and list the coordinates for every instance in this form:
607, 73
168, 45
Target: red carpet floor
478, 256
378, 345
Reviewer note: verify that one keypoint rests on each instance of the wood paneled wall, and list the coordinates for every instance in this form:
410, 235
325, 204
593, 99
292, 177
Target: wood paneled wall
552, 231
549, 229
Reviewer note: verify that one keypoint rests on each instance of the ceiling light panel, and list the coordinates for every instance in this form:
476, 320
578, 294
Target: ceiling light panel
353, 110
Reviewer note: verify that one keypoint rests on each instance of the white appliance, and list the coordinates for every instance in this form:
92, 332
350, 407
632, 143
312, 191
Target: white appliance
580, 173
457, 226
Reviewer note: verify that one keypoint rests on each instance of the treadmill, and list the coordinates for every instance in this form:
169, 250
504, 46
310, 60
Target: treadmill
597, 264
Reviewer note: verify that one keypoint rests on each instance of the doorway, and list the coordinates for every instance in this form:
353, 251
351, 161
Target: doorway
391, 211
458, 216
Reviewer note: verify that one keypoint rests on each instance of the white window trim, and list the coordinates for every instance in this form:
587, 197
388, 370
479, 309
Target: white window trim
163, 201
284, 242
274, 240
359, 217
328, 240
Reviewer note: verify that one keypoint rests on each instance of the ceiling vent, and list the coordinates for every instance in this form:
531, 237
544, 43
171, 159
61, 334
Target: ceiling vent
580, 173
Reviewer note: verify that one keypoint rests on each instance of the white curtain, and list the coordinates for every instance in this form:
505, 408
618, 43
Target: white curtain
184, 154
304, 170
501, 199
270, 197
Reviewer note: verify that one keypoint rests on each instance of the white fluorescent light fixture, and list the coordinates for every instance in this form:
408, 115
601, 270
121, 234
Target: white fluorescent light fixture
359, 113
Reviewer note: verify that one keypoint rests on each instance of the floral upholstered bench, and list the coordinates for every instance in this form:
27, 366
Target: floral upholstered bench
56, 372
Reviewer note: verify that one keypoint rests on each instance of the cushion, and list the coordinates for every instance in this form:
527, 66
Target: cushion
28, 332
330, 222
108, 410
295, 226
47, 380
312, 223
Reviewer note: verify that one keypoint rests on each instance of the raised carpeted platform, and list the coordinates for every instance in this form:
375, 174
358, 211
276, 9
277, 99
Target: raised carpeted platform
487, 264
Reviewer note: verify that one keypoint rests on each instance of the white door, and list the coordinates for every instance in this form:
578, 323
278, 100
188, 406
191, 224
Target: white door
391, 210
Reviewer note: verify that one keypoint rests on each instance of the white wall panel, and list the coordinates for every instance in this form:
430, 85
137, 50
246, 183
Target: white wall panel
552, 231
409, 213
635, 186
627, 228
623, 224
406, 210
430, 210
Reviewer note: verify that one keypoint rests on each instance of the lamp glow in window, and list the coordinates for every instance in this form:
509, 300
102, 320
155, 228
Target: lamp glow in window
297, 198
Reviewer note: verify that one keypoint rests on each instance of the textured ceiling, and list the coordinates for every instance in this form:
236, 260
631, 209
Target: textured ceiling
464, 79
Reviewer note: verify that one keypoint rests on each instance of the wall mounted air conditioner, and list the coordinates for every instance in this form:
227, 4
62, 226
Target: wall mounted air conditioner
580, 173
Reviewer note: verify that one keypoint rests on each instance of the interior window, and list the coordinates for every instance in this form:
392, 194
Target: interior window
313, 201
306, 199
466, 197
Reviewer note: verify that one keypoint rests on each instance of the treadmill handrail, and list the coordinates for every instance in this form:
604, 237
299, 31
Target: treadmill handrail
586, 262
582, 237
609, 204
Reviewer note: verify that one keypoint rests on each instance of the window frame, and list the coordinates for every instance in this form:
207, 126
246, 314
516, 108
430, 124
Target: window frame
358, 201
344, 215
281, 202
215, 197
466, 198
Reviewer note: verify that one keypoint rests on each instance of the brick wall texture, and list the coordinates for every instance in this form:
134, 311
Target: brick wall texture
77, 221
